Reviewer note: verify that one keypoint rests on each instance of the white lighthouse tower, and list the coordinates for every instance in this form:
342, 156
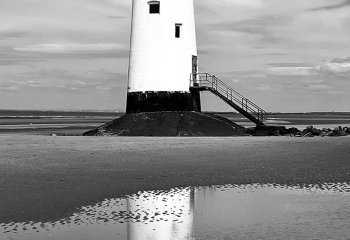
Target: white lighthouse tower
163, 97
163, 55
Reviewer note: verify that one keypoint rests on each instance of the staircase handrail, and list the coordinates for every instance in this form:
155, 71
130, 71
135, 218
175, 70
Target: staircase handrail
205, 79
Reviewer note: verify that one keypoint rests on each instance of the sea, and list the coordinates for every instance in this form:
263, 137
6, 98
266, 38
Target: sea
31, 120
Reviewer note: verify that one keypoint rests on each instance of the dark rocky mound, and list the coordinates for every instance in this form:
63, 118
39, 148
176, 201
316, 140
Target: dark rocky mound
169, 124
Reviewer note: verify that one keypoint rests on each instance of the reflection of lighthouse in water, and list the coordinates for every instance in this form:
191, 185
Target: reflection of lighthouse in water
162, 215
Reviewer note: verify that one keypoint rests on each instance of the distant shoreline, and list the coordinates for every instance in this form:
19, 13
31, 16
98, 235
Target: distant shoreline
76, 123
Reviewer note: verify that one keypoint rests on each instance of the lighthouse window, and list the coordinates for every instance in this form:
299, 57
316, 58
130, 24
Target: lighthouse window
154, 7
178, 30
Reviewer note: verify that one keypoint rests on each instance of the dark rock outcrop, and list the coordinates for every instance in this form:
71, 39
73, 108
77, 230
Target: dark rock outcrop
267, 130
169, 124
309, 131
336, 132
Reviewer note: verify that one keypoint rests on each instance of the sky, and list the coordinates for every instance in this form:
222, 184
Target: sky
284, 55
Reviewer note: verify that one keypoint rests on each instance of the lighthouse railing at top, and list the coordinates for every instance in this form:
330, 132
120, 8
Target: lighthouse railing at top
206, 80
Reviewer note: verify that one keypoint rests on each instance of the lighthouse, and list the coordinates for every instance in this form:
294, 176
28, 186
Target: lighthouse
163, 95
163, 55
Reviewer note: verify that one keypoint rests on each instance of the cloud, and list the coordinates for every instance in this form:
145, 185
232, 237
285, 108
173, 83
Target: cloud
293, 71
340, 60
243, 74
7, 85
12, 34
263, 27
295, 64
203, 52
318, 87
344, 3
27, 55
64, 80
69, 47
264, 87
116, 17
323, 89
336, 67
335, 92
217, 6
237, 40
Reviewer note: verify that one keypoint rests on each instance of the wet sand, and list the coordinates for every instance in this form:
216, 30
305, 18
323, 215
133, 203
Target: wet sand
45, 178
205, 213
46, 126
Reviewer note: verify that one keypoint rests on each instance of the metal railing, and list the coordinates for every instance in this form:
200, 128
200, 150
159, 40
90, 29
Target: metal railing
206, 80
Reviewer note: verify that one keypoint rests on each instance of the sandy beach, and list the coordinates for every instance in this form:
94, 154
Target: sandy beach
45, 178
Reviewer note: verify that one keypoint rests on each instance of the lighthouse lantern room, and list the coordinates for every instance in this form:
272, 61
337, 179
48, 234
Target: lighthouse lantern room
163, 55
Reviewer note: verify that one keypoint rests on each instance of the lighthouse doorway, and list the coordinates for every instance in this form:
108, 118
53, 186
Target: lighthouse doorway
194, 68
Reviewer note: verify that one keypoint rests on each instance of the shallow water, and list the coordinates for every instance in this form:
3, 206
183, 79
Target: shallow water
219, 212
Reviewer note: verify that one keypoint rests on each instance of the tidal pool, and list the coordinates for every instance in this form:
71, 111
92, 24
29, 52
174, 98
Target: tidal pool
253, 211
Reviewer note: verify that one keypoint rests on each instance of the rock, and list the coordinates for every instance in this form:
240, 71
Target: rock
316, 132
309, 134
305, 131
251, 131
342, 133
262, 133
293, 131
169, 124
326, 130
309, 127
336, 129
269, 130
337, 134
330, 134
276, 133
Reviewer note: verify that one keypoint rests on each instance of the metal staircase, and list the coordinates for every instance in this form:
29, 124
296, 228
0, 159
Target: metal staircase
207, 82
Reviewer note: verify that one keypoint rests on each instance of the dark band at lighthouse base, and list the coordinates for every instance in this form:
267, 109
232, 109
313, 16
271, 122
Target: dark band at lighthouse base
138, 102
